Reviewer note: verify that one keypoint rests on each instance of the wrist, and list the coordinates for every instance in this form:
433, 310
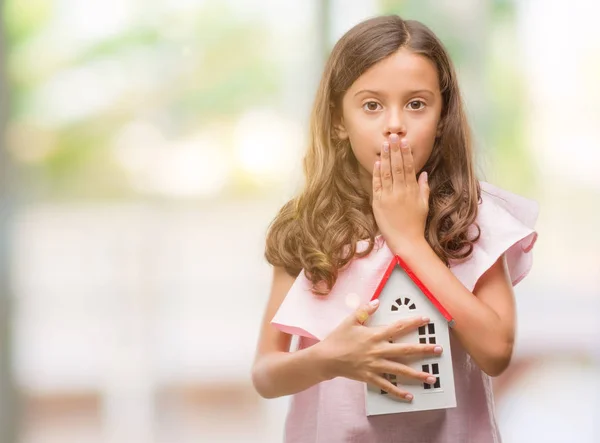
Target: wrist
323, 362
406, 247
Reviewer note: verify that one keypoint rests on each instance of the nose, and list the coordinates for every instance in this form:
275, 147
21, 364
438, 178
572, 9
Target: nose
394, 124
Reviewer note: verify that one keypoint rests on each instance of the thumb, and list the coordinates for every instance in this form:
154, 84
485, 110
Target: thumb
362, 313
424, 186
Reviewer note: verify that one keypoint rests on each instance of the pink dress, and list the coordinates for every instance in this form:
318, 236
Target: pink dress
334, 411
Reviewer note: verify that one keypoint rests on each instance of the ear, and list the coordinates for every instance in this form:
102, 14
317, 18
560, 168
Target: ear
338, 124
340, 130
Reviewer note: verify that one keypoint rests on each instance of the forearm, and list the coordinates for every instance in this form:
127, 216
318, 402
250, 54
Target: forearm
477, 326
285, 373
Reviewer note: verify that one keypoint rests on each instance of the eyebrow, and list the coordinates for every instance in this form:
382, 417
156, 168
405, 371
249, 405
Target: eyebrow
371, 91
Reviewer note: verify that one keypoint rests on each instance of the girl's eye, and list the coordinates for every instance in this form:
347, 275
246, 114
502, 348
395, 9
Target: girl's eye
371, 106
417, 102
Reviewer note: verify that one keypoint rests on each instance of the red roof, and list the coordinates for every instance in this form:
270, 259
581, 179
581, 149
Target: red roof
397, 261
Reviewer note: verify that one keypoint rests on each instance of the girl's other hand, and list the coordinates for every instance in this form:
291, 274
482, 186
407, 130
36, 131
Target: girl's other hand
364, 354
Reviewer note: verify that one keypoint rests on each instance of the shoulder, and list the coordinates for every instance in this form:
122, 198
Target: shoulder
511, 205
507, 226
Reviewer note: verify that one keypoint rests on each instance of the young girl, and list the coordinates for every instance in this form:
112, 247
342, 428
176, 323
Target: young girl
389, 170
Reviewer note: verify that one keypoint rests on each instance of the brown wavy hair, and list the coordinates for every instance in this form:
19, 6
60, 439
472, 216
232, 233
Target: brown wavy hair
318, 230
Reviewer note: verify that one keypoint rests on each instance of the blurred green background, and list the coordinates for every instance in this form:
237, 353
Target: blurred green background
87, 84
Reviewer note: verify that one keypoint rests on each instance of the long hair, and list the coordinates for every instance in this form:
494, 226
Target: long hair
319, 229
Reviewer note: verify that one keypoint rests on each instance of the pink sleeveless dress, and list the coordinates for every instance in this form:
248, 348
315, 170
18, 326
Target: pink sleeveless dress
334, 411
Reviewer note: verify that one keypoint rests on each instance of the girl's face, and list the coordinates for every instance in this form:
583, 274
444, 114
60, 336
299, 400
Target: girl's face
398, 95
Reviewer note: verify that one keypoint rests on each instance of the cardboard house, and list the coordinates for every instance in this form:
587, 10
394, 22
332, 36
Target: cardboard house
402, 295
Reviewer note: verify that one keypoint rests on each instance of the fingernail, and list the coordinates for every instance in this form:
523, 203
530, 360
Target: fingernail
408, 397
374, 302
437, 349
404, 143
394, 138
426, 178
386, 147
431, 380
425, 319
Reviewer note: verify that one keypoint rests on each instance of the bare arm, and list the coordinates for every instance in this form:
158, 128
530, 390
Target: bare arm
277, 372
485, 319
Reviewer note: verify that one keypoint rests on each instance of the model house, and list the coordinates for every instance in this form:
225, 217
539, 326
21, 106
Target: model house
402, 295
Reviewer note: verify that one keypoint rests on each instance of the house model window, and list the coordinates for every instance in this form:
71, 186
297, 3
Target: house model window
407, 302
435, 370
427, 332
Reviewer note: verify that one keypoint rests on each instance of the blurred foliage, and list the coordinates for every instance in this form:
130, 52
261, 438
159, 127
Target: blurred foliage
205, 66
23, 18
